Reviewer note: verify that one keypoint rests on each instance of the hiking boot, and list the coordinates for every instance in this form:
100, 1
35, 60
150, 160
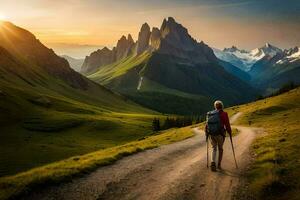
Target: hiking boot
219, 167
213, 166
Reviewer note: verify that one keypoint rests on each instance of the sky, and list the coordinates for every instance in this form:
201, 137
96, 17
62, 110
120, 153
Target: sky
246, 24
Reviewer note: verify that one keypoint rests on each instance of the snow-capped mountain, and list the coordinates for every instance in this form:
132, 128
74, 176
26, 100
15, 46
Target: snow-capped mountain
273, 72
245, 59
267, 50
290, 55
269, 67
231, 58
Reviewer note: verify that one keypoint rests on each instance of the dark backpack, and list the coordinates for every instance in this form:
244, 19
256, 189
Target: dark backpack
214, 123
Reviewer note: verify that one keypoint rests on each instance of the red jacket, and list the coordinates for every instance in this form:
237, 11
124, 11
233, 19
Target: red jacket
225, 122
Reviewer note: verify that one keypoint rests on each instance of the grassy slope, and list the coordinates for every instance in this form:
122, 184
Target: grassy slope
151, 94
37, 134
65, 169
271, 76
154, 96
107, 73
44, 120
277, 150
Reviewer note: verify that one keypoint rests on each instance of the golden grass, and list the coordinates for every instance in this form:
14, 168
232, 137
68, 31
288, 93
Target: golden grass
12, 186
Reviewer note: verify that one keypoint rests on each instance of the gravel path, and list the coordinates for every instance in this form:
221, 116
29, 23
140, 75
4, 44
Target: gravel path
175, 171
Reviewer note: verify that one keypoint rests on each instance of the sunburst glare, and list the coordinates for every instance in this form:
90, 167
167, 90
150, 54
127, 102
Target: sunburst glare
3, 16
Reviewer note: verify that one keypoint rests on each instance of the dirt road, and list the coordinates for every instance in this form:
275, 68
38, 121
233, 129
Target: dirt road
175, 171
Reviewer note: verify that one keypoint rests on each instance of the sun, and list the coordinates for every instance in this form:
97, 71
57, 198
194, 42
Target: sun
3, 16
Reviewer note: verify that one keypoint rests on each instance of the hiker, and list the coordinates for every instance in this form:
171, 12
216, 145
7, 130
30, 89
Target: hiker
217, 125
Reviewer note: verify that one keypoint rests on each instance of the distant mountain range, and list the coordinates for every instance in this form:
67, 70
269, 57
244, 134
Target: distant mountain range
245, 59
77, 51
269, 67
75, 63
165, 70
168, 70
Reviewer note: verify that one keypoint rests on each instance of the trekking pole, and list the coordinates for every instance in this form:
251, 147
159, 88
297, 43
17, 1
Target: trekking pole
233, 152
207, 152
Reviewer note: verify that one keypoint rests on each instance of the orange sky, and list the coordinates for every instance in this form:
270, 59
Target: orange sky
102, 22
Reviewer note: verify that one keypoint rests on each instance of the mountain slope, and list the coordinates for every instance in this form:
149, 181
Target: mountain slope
174, 69
270, 73
268, 66
22, 43
246, 59
49, 112
232, 69
125, 47
276, 149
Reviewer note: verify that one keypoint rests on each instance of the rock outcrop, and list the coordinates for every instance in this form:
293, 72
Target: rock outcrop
143, 39
124, 47
105, 56
98, 58
175, 40
155, 38
172, 38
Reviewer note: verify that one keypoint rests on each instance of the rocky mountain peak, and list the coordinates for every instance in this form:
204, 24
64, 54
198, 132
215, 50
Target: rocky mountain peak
270, 46
155, 38
235, 49
129, 38
163, 25
145, 27
106, 56
267, 50
105, 49
292, 52
178, 35
124, 46
171, 26
231, 49
175, 40
143, 38
122, 42
172, 38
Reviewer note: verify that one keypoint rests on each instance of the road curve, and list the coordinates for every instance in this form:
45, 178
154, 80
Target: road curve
175, 171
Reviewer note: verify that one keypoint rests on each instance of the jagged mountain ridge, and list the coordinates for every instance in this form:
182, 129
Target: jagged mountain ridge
125, 46
173, 63
270, 73
269, 67
244, 59
172, 38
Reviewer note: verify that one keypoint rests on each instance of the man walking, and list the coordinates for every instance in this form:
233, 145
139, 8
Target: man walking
217, 125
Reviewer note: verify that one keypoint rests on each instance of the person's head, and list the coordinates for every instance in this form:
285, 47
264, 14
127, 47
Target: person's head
218, 105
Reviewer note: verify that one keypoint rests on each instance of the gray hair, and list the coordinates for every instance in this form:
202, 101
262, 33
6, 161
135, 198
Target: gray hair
218, 104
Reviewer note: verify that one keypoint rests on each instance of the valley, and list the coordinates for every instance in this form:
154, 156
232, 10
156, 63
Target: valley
67, 123
176, 69
52, 113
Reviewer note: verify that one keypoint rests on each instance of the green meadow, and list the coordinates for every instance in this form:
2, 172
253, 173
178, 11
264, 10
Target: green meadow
276, 168
44, 120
